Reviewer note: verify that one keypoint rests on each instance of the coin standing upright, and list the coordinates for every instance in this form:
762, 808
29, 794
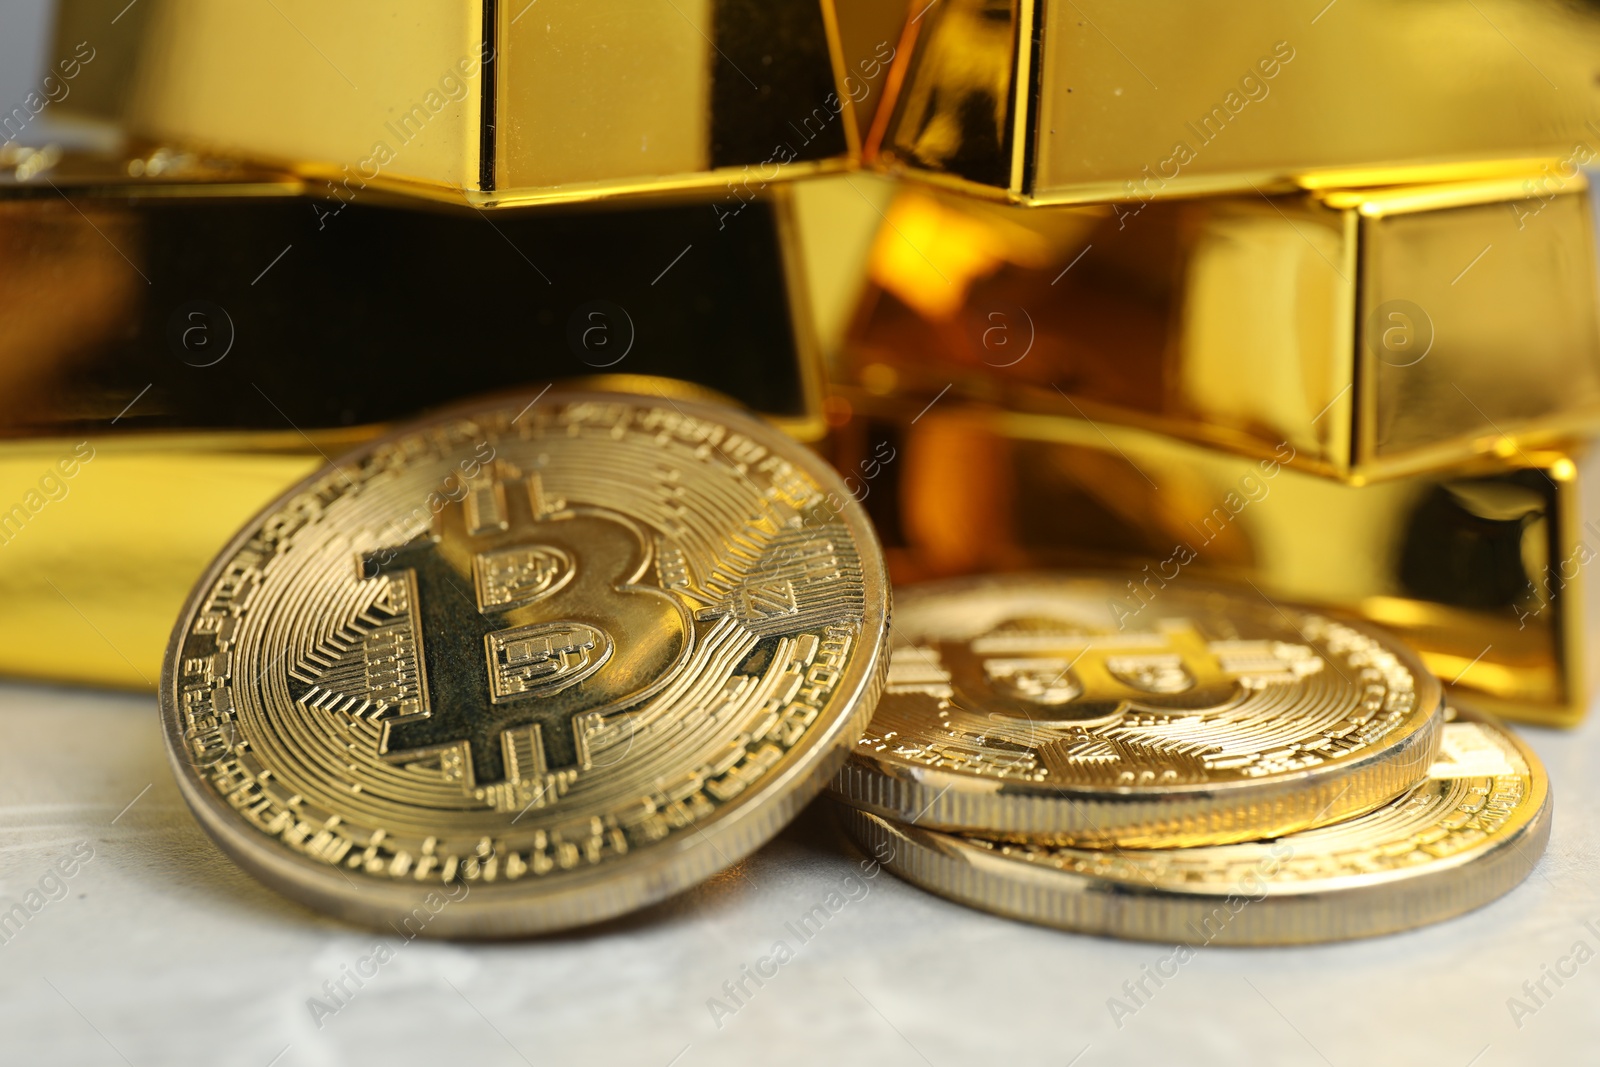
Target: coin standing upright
529, 665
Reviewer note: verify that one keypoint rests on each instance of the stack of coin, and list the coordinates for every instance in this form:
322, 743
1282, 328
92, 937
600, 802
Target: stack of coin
1218, 768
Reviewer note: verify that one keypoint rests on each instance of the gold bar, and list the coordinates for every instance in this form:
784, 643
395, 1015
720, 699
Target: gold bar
1379, 332
101, 539
1484, 570
495, 102
201, 298
1053, 103
102, 535
181, 339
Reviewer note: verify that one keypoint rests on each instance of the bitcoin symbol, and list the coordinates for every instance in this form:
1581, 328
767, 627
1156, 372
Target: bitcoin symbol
531, 622
573, 652
1026, 669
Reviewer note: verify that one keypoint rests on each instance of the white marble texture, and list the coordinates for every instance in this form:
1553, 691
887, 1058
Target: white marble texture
162, 952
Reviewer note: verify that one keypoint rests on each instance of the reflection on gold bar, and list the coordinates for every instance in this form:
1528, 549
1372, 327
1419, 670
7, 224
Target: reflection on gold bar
181, 339
1105, 100
869, 33
496, 103
1378, 333
101, 539
102, 535
197, 297
1485, 570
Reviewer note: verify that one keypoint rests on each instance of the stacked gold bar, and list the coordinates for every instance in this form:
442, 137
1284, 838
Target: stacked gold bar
1206, 324
495, 103
311, 224
1277, 308
1112, 249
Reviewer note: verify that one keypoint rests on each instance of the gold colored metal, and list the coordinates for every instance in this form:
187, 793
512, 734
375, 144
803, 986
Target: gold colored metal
1372, 333
210, 332
494, 103
101, 539
869, 36
1463, 837
528, 666
1036, 706
102, 536
836, 220
1096, 100
1484, 570
173, 292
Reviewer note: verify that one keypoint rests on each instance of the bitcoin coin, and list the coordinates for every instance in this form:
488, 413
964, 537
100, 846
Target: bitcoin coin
1072, 709
1467, 834
528, 665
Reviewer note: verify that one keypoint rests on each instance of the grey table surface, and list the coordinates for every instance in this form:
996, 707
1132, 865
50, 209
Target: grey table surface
158, 950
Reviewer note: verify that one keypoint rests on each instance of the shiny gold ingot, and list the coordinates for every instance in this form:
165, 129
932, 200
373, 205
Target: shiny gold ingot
1049, 103
497, 103
101, 540
168, 291
1373, 333
197, 327
1035, 706
1485, 570
102, 536
1465, 836
528, 666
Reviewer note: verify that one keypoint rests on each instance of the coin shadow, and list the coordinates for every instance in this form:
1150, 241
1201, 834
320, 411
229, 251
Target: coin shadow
175, 858
813, 831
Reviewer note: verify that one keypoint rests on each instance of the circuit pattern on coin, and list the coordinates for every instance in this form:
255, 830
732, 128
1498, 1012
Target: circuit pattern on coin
1465, 835
1036, 705
573, 655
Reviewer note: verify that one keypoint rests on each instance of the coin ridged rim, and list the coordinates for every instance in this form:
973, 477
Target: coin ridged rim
595, 894
1204, 813
1299, 912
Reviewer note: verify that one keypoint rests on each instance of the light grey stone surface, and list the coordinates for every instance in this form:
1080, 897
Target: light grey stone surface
162, 952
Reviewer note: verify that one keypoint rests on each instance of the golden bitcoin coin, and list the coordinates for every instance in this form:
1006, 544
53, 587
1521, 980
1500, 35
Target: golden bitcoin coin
529, 665
1048, 707
1462, 837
